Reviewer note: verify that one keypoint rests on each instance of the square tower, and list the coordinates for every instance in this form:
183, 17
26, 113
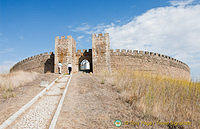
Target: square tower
65, 52
101, 52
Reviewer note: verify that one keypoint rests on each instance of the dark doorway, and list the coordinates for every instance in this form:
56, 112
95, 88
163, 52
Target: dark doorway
49, 64
85, 61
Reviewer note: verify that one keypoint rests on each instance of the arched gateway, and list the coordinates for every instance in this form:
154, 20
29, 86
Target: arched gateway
84, 66
84, 59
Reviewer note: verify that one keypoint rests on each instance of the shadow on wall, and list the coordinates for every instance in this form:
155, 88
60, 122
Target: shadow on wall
49, 64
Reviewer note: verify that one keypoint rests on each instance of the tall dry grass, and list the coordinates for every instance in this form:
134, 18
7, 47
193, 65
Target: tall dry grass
10, 81
163, 97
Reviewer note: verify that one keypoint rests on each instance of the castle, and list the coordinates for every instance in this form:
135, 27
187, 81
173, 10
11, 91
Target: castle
101, 57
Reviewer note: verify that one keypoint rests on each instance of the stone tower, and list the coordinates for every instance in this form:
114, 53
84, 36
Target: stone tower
101, 52
65, 52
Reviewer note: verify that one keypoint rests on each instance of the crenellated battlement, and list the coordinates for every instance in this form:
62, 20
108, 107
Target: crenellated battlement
63, 38
31, 59
137, 53
35, 56
83, 52
100, 36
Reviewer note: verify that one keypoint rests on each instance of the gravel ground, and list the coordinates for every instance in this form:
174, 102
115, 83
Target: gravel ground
89, 104
23, 95
40, 114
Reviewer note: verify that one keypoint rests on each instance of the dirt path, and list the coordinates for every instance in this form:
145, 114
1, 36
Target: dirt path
23, 95
40, 114
90, 105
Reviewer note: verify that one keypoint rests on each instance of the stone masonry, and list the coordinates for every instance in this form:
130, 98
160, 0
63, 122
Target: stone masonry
102, 58
65, 52
41, 63
101, 52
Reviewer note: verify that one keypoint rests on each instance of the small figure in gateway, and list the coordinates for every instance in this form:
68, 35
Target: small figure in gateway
69, 68
59, 68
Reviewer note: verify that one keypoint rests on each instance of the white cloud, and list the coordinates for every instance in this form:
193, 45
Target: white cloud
172, 30
99, 28
181, 2
5, 66
118, 21
87, 29
84, 27
80, 37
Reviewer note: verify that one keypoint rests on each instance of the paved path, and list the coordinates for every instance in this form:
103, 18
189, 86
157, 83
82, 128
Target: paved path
40, 114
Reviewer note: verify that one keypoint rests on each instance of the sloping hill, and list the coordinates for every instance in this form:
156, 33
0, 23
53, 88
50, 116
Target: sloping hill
91, 104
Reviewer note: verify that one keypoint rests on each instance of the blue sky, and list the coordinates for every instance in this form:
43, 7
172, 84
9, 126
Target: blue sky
29, 27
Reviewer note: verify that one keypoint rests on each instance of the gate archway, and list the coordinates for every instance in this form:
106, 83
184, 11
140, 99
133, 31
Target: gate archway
85, 64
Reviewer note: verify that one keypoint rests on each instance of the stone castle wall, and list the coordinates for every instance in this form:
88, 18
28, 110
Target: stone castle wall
41, 63
101, 57
149, 61
44, 62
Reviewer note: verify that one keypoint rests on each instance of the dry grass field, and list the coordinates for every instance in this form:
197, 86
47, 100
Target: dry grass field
17, 89
94, 99
10, 81
165, 98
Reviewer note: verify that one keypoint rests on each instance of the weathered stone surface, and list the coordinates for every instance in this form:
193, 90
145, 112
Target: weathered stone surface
101, 52
65, 52
41, 63
101, 57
